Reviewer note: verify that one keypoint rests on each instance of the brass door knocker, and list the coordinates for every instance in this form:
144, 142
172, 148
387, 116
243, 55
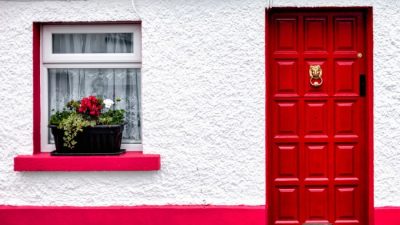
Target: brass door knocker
316, 75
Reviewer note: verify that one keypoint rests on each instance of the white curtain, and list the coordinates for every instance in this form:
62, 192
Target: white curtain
65, 84
93, 43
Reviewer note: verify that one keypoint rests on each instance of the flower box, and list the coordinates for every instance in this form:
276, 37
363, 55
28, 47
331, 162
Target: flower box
97, 140
88, 127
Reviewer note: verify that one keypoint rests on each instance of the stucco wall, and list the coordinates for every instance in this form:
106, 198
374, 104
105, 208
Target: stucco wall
203, 102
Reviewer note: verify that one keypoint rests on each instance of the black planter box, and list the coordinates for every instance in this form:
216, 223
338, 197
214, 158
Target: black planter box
97, 140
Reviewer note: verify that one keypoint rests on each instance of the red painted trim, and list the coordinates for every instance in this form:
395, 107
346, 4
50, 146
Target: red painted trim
90, 22
137, 215
370, 111
267, 117
321, 8
130, 161
387, 216
36, 86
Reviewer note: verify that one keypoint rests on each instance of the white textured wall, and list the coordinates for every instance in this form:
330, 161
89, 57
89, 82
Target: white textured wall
203, 102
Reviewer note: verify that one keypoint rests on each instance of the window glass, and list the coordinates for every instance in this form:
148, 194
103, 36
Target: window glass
70, 43
65, 84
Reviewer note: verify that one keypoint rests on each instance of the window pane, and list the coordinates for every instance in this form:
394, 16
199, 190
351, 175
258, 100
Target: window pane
92, 43
66, 84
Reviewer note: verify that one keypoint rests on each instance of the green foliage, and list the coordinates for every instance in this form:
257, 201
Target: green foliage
73, 105
72, 125
112, 117
57, 117
100, 99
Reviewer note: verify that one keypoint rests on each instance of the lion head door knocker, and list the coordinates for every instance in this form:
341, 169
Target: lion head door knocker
316, 75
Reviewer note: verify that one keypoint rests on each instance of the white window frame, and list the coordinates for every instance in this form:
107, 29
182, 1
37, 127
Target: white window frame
50, 57
97, 60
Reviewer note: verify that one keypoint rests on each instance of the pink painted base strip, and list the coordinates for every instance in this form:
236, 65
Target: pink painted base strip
154, 215
135, 215
387, 216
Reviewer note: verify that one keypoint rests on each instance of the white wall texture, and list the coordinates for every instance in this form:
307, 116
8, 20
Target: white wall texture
203, 102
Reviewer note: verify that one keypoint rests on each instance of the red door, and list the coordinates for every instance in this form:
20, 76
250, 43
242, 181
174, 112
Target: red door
317, 164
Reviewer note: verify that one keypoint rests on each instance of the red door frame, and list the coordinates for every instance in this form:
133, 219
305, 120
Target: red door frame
369, 120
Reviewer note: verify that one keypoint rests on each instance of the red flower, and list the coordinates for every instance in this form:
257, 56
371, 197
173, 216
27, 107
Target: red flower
90, 106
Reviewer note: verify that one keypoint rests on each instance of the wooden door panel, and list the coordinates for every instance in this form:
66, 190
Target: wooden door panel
286, 119
316, 134
288, 205
316, 118
286, 157
347, 206
315, 35
286, 34
316, 162
317, 204
346, 82
347, 161
345, 35
285, 81
346, 118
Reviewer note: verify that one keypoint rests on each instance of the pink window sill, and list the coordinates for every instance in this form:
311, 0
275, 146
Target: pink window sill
130, 161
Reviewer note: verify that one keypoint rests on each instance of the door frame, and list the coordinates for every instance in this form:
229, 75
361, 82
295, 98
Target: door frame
369, 116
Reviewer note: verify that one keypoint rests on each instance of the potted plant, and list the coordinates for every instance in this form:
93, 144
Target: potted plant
90, 126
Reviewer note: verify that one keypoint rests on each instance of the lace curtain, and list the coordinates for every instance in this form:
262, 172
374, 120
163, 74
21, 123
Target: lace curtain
67, 84
93, 43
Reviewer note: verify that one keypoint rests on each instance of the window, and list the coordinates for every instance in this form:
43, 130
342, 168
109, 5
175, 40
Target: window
100, 60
